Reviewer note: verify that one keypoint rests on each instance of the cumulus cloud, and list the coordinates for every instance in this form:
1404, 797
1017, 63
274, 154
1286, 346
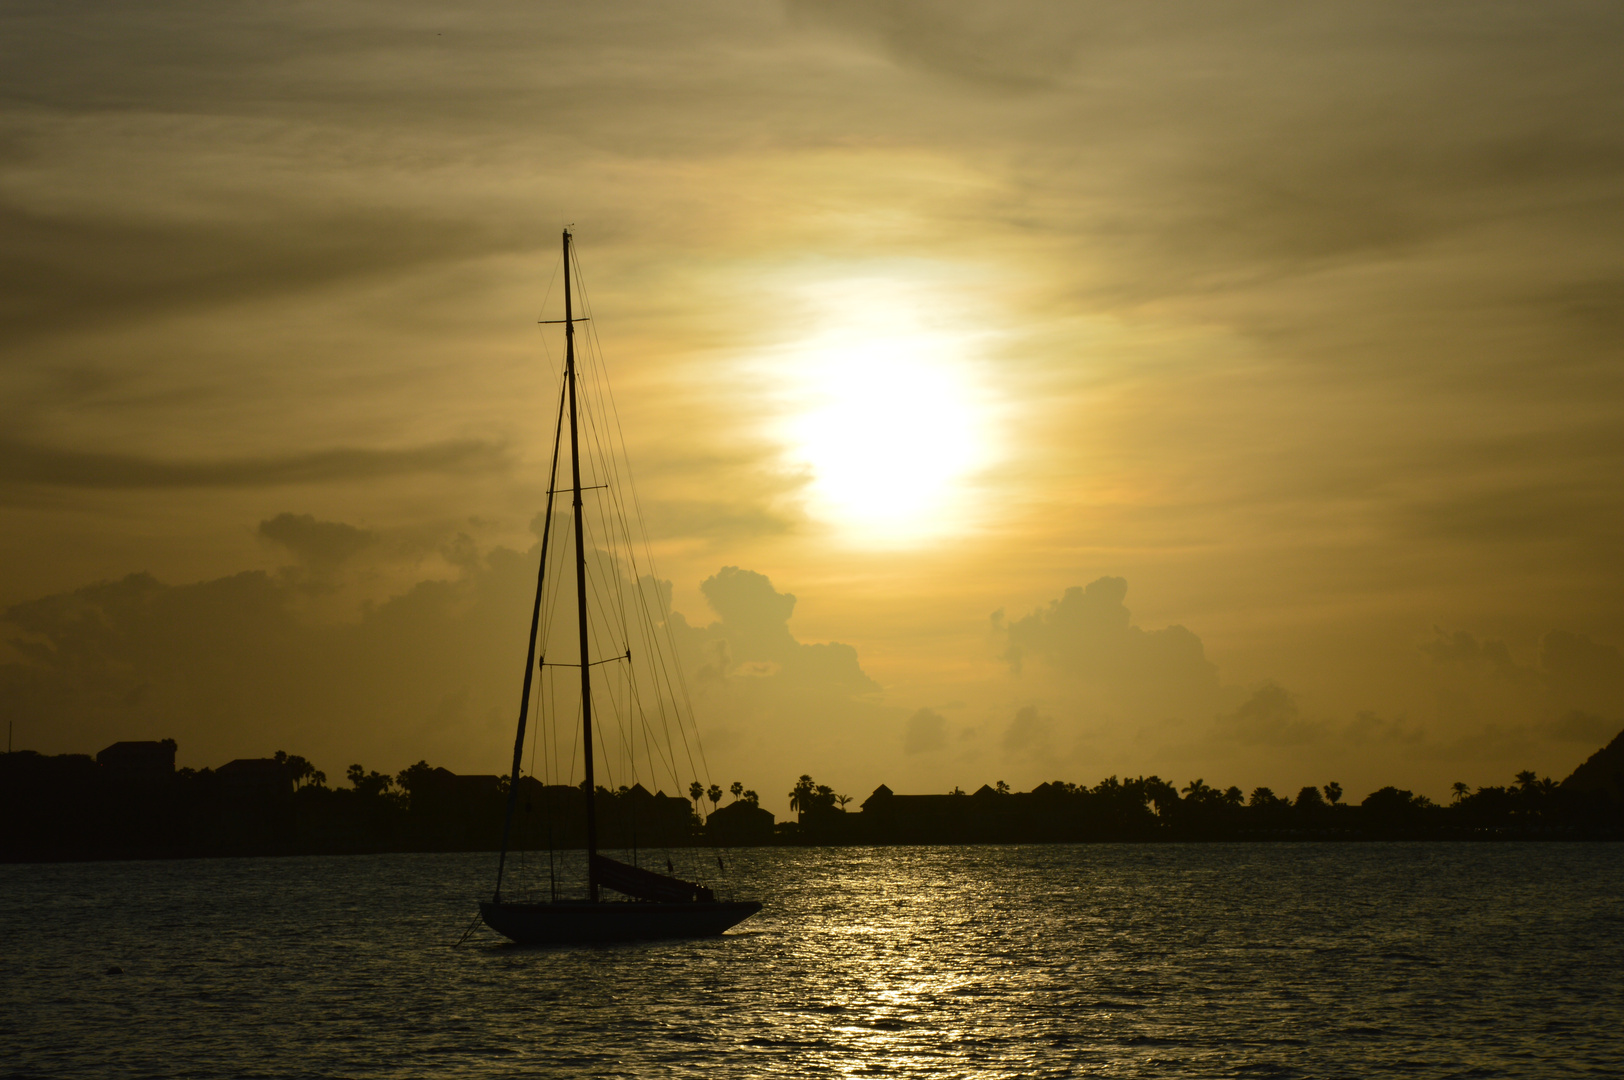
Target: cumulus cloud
925, 732
1367, 728
322, 545
752, 637
230, 667
1030, 735
1463, 648
1269, 717
1574, 673
1088, 635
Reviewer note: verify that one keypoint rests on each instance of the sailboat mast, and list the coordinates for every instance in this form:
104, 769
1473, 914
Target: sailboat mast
580, 590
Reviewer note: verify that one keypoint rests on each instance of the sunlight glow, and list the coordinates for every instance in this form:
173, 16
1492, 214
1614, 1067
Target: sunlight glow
887, 416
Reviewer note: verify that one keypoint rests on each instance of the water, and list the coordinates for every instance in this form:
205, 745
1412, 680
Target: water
1111, 960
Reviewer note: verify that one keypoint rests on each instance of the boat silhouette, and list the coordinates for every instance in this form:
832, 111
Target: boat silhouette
652, 905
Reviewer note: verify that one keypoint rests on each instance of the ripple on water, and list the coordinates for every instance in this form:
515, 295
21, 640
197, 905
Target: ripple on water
1112, 960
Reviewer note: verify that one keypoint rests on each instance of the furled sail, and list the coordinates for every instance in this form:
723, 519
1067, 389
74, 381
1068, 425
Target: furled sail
642, 884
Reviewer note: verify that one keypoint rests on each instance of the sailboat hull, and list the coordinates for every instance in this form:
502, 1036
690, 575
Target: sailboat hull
578, 922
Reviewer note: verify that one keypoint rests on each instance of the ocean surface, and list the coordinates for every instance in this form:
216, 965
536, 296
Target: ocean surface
1315, 960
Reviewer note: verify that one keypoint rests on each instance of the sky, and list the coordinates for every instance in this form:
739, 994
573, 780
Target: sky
1016, 392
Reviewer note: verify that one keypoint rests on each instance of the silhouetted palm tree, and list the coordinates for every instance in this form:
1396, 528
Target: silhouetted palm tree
1333, 793
714, 794
737, 789
696, 791
800, 796
1460, 791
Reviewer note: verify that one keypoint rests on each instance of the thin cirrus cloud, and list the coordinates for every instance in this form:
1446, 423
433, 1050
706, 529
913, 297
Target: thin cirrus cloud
25, 463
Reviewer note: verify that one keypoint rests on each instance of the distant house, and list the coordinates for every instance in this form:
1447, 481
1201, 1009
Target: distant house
139, 762
443, 792
254, 778
739, 824
888, 816
885, 804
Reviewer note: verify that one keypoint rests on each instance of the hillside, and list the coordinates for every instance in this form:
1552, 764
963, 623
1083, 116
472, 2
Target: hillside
1602, 771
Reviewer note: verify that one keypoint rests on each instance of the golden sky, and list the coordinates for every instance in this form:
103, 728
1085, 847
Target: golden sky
1216, 390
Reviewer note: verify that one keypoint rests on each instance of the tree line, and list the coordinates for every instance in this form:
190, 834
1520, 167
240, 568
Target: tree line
72, 806
1148, 808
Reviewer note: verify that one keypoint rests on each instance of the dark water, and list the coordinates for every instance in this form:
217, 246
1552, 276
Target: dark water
1115, 960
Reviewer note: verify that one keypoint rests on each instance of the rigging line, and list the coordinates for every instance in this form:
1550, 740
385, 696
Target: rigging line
681, 681
547, 805
529, 671
606, 596
575, 742
604, 748
648, 750
545, 296
637, 704
467, 932
661, 674
623, 727
619, 464
666, 759
555, 597
601, 604
550, 576
661, 669
540, 723
535, 733
561, 570
643, 632
613, 508
603, 462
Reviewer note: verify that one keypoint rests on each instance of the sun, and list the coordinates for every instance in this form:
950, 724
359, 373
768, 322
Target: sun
887, 412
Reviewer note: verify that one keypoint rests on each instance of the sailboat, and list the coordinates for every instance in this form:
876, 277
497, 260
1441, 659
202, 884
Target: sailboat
649, 904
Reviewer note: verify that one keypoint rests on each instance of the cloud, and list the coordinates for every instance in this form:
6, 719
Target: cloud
28, 463
232, 667
100, 269
1574, 672
1582, 670
1088, 634
322, 545
753, 630
1030, 735
1575, 725
1367, 728
1019, 44
1270, 717
1463, 648
925, 732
